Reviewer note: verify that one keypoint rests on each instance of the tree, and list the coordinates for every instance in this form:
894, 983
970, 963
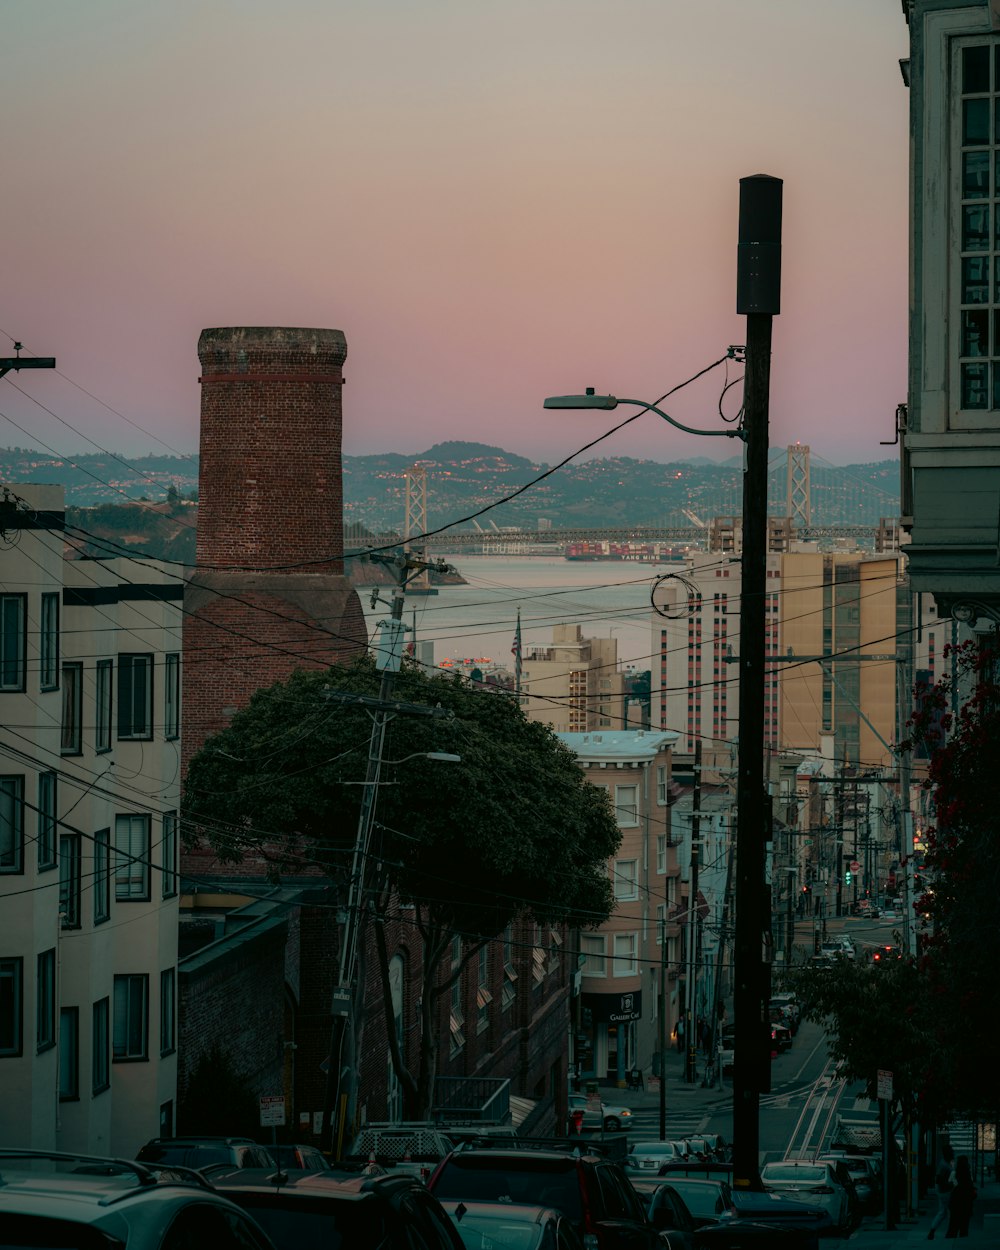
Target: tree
958, 867
216, 1100
514, 829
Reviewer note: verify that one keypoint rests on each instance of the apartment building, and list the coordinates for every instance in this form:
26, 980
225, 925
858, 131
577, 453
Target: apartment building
89, 796
574, 685
616, 1014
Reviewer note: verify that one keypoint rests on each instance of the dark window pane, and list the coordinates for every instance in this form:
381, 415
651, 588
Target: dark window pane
975, 228
975, 333
975, 175
976, 69
974, 386
975, 280
996, 386
975, 121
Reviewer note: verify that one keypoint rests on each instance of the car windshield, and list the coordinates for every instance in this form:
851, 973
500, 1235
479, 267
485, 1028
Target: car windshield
780, 1172
654, 1148
499, 1232
700, 1197
301, 1223
534, 1181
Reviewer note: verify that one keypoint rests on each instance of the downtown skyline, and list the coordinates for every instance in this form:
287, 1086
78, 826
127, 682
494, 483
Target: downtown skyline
494, 203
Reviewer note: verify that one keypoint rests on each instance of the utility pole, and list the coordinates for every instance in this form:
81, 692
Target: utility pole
758, 295
348, 995
694, 921
663, 1029
18, 362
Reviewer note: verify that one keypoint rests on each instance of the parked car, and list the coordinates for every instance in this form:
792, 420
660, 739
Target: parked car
592, 1189
649, 1156
704, 1169
706, 1148
708, 1199
788, 1005
612, 1118
780, 1211
781, 1037
86, 1202
299, 1211
668, 1213
494, 1224
815, 1183
866, 1173
297, 1158
199, 1152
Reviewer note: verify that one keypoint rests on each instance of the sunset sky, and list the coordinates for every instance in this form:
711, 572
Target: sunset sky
495, 200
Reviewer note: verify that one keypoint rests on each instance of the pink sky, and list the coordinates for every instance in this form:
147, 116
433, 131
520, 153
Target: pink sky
495, 200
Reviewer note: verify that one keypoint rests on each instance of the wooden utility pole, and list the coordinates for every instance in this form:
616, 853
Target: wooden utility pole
758, 295
693, 926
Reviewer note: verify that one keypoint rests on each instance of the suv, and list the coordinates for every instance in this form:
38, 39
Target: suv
586, 1185
88, 1203
199, 1152
318, 1209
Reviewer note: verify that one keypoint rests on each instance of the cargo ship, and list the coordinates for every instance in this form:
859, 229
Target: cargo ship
603, 549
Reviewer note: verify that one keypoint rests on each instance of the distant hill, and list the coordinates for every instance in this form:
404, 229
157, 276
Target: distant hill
464, 477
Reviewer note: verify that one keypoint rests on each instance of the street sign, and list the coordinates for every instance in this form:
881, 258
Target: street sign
272, 1111
884, 1085
855, 866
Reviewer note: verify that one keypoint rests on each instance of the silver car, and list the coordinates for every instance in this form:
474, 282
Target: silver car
813, 1183
613, 1119
650, 1156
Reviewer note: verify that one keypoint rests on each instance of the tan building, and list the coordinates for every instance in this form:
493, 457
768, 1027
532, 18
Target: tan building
616, 1012
574, 685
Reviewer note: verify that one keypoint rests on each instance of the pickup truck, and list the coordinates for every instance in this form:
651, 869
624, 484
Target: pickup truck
407, 1149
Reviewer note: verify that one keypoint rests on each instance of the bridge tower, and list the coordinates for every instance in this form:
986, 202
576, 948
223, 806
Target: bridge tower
416, 524
797, 506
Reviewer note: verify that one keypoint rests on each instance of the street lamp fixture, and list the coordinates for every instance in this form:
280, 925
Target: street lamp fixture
607, 402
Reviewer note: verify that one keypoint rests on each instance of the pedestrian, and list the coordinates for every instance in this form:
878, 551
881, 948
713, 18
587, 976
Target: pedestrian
944, 1183
960, 1200
680, 1033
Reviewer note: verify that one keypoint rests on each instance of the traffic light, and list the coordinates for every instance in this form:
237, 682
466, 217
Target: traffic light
847, 876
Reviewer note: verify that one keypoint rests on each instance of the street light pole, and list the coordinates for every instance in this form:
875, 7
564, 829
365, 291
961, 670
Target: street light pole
758, 295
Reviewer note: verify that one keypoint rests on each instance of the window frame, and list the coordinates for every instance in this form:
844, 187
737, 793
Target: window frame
48, 641
14, 682
168, 1012
100, 1055
70, 877
662, 842
630, 818
172, 695
132, 982
168, 854
71, 725
102, 876
12, 969
12, 788
45, 1000
46, 819
130, 886
626, 888
69, 1066
128, 665
632, 959
597, 953
104, 707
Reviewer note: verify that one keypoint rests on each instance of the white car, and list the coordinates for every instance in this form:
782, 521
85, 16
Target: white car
612, 1119
650, 1156
813, 1183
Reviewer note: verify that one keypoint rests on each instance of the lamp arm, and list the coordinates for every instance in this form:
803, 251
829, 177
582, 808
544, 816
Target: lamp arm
640, 403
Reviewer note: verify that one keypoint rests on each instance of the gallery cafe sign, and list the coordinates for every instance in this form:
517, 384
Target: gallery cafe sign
613, 1008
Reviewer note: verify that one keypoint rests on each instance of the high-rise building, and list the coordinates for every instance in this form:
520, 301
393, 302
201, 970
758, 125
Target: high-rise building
574, 685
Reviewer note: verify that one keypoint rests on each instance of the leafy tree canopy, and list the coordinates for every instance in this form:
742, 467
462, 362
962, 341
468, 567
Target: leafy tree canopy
515, 826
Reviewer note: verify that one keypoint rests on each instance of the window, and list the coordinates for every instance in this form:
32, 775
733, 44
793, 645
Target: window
661, 917
71, 741
508, 991
131, 1017
100, 1063
627, 805
456, 1020
626, 878
132, 857
661, 853
46, 820
45, 1000
172, 695
48, 643
10, 1006
69, 881
102, 710
661, 784
626, 955
135, 696
11, 824
168, 847
102, 875
593, 947
12, 638
483, 995
167, 1000
69, 1054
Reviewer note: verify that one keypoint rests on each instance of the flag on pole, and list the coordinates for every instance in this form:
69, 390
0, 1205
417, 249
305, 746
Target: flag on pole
516, 653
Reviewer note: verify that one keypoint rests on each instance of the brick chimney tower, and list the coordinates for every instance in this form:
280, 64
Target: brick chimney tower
269, 593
